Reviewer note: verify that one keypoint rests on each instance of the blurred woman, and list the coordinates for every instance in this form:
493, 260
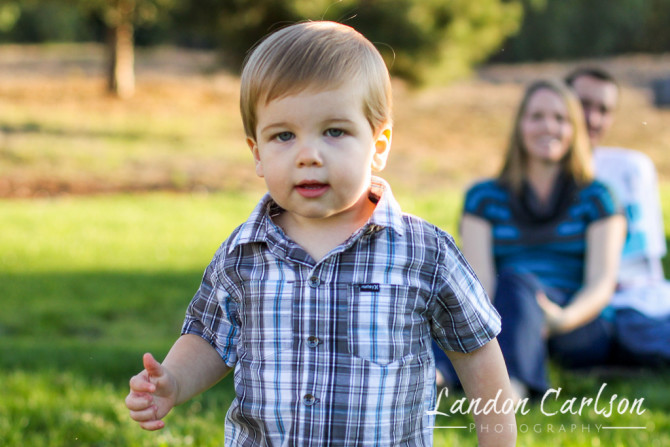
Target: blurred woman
545, 238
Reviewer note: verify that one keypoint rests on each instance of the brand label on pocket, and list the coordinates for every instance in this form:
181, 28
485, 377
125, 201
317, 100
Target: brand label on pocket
368, 287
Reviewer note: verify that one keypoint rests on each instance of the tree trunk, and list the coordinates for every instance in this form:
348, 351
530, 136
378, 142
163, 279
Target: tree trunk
121, 74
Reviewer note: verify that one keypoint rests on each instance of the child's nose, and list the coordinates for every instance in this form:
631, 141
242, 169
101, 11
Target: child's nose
308, 155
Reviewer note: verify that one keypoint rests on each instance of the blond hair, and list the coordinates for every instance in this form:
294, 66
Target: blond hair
314, 55
577, 161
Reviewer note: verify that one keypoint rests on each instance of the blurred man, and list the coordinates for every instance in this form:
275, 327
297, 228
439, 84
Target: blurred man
599, 94
642, 300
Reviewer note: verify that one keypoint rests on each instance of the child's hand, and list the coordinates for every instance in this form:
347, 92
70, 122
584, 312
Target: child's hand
152, 394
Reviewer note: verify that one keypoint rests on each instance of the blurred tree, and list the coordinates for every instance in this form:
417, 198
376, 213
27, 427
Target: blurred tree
70, 20
9, 14
34, 21
568, 29
657, 32
233, 25
422, 40
120, 18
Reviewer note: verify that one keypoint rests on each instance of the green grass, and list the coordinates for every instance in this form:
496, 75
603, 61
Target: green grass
88, 284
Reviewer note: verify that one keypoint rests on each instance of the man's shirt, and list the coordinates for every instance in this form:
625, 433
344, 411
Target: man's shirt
338, 352
632, 177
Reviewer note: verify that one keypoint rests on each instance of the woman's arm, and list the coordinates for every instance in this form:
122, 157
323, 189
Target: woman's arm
476, 240
604, 242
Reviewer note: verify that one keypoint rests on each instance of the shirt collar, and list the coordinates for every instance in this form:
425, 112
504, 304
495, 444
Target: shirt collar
387, 213
259, 225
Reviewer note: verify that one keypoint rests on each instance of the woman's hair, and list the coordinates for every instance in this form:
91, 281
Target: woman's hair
577, 161
320, 55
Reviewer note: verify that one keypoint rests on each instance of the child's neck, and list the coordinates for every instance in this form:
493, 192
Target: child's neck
319, 236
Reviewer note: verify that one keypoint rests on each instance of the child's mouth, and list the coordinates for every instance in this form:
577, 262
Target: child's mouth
312, 190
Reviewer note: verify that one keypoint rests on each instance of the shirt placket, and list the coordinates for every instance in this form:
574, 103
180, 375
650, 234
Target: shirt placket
311, 337
316, 323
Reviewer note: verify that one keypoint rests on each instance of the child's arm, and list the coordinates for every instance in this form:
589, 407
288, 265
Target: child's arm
191, 367
483, 374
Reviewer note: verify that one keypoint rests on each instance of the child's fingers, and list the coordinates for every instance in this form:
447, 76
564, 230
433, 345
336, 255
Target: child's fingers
140, 383
144, 415
152, 425
148, 418
138, 401
152, 366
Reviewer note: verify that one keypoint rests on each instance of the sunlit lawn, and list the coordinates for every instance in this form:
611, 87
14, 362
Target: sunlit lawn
89, 284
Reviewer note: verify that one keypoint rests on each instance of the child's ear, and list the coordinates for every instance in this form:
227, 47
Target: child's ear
257, 158
382, 148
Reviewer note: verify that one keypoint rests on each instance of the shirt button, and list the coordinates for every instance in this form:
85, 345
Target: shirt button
313, 341
308, 400
314, 282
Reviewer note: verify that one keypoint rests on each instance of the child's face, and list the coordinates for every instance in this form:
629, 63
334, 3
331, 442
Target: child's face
316, 151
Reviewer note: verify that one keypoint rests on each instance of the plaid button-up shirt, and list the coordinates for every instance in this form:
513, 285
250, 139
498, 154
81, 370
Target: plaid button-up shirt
338, 352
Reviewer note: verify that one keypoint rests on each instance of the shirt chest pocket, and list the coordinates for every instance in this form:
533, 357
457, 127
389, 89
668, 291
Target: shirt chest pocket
385, 322
267, 319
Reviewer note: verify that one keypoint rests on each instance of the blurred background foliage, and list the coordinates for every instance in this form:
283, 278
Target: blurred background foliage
537, 29
424, 41
421, 39
574, 29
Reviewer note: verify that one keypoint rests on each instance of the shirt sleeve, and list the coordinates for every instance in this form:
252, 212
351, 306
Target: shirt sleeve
479, 197
463, 317
633, 179
601, 200
646, 216
213, 315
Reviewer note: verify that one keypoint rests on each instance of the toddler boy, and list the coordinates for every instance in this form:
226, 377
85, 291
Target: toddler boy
326, 299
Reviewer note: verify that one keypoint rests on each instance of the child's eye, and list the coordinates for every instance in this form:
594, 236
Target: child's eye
284, 136
335, 133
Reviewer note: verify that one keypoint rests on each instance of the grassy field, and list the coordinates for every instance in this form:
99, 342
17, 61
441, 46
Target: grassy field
96, 267
89, 284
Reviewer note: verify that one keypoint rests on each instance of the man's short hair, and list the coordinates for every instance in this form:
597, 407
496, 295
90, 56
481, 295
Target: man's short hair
319, 55
592, 72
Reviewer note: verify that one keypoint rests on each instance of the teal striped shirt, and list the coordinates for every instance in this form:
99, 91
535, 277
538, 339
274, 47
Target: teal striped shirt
552, 249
